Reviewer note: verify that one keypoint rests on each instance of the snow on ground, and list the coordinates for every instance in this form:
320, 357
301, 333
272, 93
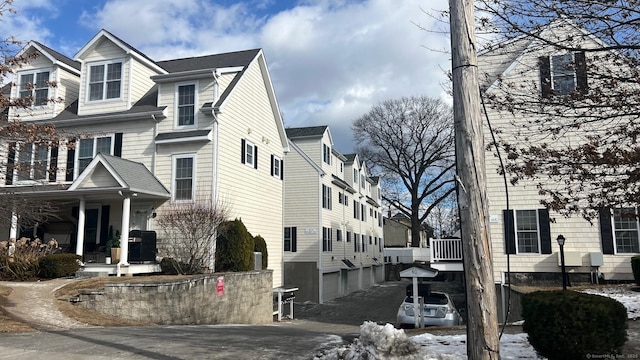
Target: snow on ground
386, 342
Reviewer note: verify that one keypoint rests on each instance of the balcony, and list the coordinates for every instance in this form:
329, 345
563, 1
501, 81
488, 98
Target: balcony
446, 254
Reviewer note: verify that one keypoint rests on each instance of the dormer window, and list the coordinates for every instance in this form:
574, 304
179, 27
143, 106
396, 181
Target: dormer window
326, 154
105, 81
563, 74
35, 85
185, 105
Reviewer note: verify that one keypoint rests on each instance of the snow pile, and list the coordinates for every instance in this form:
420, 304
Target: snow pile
629, 298
382, 342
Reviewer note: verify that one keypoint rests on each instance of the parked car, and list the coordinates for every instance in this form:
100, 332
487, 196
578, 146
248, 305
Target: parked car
439, 310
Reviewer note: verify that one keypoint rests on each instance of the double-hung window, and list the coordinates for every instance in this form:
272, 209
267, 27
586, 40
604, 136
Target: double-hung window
563, 74
326, 197
183, 177
290, 235
526, 225
32, 162
277, 166
326, 154
105, 80
625, 224
249, 153
186, 105
89, 148
35, 85
356, 176
327, 244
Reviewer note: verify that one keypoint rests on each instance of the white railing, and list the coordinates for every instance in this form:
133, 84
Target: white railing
446, 250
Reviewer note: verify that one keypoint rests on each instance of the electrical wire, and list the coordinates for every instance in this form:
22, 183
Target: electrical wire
507, 311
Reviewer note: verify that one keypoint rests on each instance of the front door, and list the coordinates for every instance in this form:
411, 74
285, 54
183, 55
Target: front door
91, 230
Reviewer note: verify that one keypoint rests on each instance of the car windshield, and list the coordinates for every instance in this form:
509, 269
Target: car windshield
433, 299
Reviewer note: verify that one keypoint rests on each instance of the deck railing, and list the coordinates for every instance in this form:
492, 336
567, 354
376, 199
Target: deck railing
446, 250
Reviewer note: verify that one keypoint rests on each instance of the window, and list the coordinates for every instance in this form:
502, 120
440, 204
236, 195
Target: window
89, 148
326, 154
356, 208
326, 197
277, 167
290, 239
380, 219
363, 212
356, 242
348, 236
326, 239
32, 162
625, 225
186, 105
356, 176
526, 222
563, 74
38, 90
183, 177
249, 154
340, 198
362, 182
346, 200
105, 81
527, 231
338, 235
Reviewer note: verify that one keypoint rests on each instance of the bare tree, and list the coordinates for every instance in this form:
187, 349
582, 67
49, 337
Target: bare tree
579, 146
444, 218
18, 135
190, 230
408, 142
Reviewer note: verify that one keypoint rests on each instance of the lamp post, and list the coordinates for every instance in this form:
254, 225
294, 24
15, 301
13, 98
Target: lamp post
560, 239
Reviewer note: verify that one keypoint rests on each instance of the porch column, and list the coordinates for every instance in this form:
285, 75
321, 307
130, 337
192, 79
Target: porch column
13, 233
124, 230
80, 237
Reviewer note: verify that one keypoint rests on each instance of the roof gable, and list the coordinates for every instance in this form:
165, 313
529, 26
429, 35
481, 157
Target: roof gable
53, 56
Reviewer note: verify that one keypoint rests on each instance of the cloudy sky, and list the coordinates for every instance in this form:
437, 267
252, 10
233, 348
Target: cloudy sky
330, 60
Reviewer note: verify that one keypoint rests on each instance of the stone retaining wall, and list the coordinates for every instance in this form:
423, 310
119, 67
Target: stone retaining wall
245, 299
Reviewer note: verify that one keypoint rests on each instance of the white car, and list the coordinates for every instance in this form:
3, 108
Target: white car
439, 310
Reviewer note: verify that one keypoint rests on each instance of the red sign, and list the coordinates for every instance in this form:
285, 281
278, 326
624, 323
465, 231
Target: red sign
220, 285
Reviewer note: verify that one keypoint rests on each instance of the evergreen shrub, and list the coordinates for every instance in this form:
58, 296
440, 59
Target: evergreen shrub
261, 247
234, 248
54, 266
573, 325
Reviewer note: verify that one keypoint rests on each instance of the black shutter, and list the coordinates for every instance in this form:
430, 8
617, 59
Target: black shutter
53, 165
71, 157
294, 239
117, 146
606, 232
11, 159
545, 76
581, 72
509, 232
243, 145
545, 231
255, 157
281, 169
104, 225
272, 165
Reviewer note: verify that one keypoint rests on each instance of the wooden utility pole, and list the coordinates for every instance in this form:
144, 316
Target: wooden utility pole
482, 323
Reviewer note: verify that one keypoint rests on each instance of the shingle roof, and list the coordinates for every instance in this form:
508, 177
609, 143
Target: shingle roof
311, 131
231, 59
60, 57
135, 175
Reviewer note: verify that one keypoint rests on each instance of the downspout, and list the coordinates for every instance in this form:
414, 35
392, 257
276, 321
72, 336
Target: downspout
320, 243
214, 165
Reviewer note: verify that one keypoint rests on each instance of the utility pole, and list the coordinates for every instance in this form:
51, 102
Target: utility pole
482, 324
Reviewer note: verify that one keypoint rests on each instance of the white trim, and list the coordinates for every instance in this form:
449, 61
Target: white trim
196, 89
103, 63
253, 146
76, 160
613, 231
35, 73
276, 160
515, 231
97, 159
174, 158
16, 171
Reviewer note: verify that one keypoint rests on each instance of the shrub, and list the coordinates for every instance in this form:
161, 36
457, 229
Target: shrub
20, 259
171, 266
261, 247
572, 325
58, 265
635, 265
234, 249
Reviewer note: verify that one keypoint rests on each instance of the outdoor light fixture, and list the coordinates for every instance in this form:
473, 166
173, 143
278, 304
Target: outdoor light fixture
561, 240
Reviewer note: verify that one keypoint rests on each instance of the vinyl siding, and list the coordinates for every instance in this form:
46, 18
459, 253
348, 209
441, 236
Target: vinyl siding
141, 81
581, 236
253, 194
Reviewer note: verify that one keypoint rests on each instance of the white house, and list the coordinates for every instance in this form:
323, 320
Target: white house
147, 133
333, 239
524, 236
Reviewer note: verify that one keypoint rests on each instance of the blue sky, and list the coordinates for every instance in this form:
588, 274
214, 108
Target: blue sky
330, 60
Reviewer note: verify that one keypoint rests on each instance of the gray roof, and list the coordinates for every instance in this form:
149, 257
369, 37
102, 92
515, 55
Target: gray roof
136, 176
131, 47
231, 59
311, 131
58, 56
